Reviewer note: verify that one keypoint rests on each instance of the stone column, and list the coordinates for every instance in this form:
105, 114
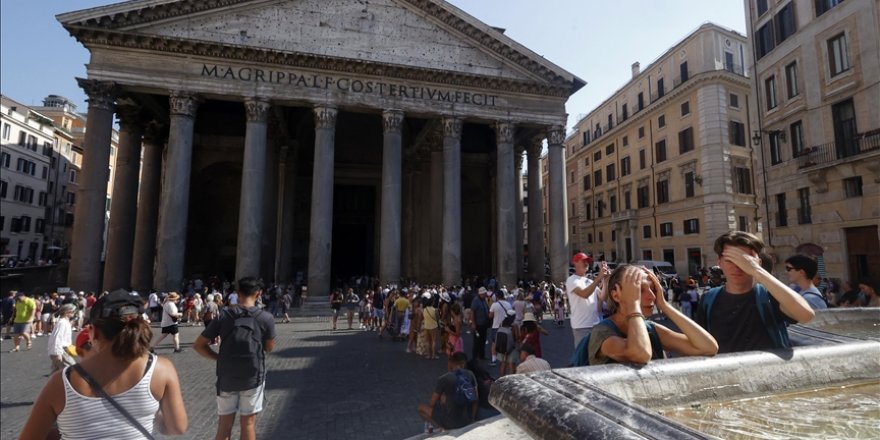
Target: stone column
536, 213
174, 203
432, 227
451, 260
505, 201
123, 205
558, 210
518, 213
253, 185
321, 226
392, 162
91, 198
147, 209
287, 200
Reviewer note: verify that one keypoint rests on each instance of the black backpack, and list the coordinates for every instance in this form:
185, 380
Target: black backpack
504, 340
241, 362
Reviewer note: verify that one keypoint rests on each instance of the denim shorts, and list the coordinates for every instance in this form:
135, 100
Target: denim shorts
245, 403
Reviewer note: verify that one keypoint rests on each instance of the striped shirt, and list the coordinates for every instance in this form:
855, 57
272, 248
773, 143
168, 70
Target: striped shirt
86, 417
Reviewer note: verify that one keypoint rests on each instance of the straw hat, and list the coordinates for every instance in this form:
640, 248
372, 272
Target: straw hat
529, 316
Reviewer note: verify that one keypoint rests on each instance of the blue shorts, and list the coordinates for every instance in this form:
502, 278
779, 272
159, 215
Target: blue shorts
245, 403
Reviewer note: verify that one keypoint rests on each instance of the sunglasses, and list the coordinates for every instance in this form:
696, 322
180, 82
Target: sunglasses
789, 268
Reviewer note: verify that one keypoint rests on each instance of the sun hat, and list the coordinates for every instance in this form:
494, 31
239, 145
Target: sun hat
482, 291
529, 316
174, 296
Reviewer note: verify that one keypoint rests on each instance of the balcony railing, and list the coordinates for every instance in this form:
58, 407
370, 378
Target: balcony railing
735, 68
830, 152
626, 214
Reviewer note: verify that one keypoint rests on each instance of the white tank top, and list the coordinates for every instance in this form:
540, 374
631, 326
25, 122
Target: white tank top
86, 417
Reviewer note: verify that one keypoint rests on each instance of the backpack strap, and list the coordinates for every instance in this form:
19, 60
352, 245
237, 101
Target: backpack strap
776, 330
706, 303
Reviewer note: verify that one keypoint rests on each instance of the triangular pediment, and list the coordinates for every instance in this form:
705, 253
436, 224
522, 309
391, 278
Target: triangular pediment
422, 34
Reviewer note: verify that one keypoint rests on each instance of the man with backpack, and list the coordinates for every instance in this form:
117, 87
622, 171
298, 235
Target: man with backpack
752, 309
500, 312
801, 270
455, 399
247, 333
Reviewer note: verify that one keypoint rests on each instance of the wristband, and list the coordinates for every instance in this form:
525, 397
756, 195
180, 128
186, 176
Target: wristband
635, 315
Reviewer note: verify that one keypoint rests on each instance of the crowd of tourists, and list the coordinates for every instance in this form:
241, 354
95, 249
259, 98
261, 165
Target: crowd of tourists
611, 315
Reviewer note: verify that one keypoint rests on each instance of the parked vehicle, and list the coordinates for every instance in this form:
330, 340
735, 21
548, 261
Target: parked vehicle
663, 269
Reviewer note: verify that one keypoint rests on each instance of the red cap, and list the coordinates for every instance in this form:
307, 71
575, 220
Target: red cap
581, 256
82, 338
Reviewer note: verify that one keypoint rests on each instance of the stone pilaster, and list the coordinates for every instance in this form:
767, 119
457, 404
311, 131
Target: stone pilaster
505, 198
123, 205
321, 225
559, 254
391, 217
174, 203
536, 213
148, 209
91, 199
253, 185
451, 256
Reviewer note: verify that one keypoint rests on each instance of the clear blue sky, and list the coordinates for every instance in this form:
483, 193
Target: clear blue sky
597, 41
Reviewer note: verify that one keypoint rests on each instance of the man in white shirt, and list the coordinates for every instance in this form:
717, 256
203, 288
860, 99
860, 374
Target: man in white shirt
528, 362
499, 310
582, 296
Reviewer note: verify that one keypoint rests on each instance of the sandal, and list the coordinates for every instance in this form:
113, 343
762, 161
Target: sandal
29, 346
14, 350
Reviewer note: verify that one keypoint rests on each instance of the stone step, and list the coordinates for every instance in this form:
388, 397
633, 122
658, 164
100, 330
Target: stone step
498, 427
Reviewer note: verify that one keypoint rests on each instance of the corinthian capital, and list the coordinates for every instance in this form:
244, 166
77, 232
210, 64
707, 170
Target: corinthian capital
183, 103
131, 117
325, 116
555, 135
102, 94
504, 132
534, 149
392, 121
452, 127
256, 109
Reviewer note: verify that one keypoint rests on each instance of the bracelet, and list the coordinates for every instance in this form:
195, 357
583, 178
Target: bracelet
635, 315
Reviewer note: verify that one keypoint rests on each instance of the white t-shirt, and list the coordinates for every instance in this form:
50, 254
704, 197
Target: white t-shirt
154, 300
584, 313
168, 309
499, 308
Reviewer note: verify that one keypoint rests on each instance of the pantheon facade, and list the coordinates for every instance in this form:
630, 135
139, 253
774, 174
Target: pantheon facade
315, 138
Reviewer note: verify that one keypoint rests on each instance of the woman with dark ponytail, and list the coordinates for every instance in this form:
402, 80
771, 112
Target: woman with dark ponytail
144, 386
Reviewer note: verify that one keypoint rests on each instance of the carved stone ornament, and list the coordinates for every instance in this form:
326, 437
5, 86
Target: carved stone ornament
131, 117
518, 159
534, 149
256, 109
555, 135
689, 167
504, 132
452, 127
183, 103
643, 182
392, 121
155, 133
663, 175
325, 117
102, 94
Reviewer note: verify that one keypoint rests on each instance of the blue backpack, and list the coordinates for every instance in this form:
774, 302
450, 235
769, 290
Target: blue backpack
465, 389
581, 355
776, 329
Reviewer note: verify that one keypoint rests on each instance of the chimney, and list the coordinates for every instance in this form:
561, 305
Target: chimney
635, 69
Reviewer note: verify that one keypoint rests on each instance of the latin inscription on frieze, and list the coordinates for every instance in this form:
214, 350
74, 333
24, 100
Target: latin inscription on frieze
287, 78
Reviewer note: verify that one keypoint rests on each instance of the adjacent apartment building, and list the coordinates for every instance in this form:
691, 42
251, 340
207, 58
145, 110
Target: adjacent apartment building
664, 166
816, 70
26, 141
69, 128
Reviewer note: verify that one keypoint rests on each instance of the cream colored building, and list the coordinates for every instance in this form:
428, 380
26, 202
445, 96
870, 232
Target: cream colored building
817, 66
26, 139
664, 166
64, 172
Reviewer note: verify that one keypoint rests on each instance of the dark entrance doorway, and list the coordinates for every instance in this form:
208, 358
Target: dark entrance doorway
354, 232
863, 252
